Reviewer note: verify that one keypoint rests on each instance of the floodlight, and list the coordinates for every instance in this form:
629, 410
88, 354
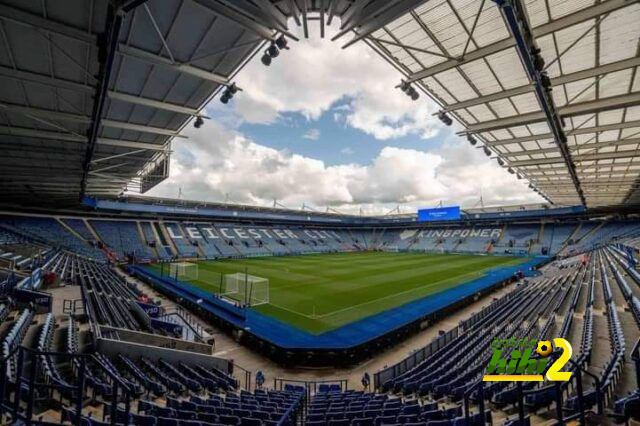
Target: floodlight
472, 140
409, 90
487, 151
545, 80
281, 42
510, 170
228, 93
266, 59
272, 50
500, 161
198, 123
538, 60
445, 118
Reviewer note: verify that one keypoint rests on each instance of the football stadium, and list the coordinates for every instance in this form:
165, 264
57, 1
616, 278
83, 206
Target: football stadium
466, 252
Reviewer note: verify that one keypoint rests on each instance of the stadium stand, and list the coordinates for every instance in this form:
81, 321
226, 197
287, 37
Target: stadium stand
123, 238
49, 230
563, 301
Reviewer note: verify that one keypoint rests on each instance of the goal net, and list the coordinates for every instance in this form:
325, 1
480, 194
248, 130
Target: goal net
248, 289
184, 270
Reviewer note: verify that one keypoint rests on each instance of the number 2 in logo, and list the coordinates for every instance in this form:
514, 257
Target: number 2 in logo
554, 373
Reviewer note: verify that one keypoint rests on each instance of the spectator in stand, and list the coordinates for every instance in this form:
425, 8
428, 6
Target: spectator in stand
366, 380
259, 379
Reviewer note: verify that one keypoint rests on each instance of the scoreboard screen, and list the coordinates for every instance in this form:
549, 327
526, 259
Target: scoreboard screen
441, 213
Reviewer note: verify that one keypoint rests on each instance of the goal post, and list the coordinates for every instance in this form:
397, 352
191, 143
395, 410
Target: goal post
183, 270
247, 289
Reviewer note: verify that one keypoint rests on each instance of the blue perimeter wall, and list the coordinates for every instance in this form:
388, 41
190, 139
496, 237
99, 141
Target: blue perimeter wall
350, 335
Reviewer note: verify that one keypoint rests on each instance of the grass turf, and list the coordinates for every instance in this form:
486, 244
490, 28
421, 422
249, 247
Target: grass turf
320, 292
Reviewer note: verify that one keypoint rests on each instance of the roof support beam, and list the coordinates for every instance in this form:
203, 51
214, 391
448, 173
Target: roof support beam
592, 184
40, 23
152, 103
557, 81
540, 31
152, 58
114, 23
600, 105
577, 158
68, 137
79, 87
515, 16
586, 146
129, 5
574, 132
66, 116
222, 8
141, 128
376, 16
269, 11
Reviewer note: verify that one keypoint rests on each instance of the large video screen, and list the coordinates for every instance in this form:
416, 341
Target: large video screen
441, 213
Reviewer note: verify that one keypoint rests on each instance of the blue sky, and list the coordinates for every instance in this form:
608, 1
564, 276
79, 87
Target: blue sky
330, 138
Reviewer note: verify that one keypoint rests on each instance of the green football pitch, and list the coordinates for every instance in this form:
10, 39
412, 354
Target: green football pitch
320, 292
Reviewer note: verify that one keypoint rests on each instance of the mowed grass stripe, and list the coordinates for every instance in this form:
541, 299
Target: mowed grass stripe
408, 285
320, 292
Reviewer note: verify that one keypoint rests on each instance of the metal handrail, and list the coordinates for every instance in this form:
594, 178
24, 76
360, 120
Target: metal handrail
30, 381
480, 385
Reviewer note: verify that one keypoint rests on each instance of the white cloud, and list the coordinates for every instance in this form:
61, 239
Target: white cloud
316, 73
255, 174
312, 134
346, 151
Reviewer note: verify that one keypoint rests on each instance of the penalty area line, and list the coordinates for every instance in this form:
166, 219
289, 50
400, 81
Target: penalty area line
293, 311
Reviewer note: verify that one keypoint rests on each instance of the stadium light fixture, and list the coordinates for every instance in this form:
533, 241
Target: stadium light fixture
228, 93
409, 90
198, 123
445, 118
545, 80
472, 140
487, 152
281, 42
273, 50
538, 60
500, 161
510, 170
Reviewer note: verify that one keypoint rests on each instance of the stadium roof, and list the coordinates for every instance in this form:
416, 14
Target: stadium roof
551, 87
577, 141
92, 96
